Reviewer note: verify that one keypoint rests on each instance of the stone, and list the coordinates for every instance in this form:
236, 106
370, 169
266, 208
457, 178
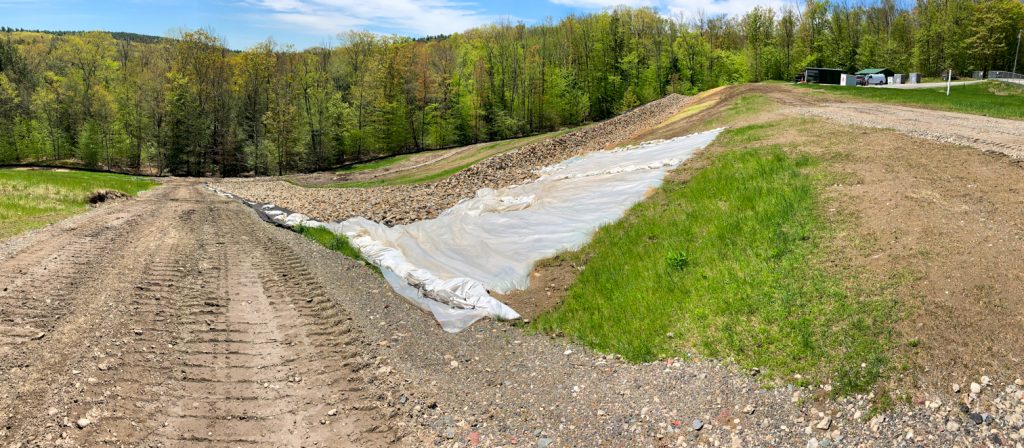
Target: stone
952, 426
697, 424
976, 418
543, 442
332, 412
813, 443
83, 422
749, 409
975, 388
956, 388
824, 424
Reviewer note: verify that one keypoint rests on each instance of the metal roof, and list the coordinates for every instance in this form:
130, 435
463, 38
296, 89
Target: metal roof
872, 71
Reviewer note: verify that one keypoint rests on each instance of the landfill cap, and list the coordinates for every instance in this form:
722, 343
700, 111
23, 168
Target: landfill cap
448, 265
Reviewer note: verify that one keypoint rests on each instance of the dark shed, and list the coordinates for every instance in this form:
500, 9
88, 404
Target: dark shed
822, 75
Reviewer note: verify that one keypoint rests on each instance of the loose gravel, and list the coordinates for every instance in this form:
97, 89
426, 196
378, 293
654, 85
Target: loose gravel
408, 203
998, 135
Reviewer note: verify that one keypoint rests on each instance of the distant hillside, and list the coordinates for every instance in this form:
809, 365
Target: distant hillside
117, 35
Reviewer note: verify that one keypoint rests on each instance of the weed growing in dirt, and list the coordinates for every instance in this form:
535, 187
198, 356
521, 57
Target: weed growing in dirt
751, 289
992, 99
31, 199
333, 241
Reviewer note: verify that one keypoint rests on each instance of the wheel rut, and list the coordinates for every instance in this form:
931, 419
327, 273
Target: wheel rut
182, 324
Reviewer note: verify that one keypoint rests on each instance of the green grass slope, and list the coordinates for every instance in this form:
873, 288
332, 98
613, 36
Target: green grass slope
30, 199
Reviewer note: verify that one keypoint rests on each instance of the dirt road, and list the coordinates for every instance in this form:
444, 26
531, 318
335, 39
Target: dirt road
173, 320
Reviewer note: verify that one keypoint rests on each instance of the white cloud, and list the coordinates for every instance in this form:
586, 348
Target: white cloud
687, 9
605, 3
690, 8
329, 17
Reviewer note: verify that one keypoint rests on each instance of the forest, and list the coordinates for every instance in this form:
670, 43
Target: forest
188, 105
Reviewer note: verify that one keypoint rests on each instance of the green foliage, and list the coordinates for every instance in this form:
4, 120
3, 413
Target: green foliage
188, 106
31, 199
745, 232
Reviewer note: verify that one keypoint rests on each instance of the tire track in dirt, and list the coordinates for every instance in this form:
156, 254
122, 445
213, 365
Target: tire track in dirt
193, 329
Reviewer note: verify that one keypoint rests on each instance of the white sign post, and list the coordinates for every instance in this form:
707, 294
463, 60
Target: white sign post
949, 81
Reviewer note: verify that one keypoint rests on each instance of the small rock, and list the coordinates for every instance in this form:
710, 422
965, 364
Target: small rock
952, 426
102, 367
83, 422
986, 381
976, 418
749, 409
332, 412
975, 388
824, 424
454, 364
813, 443
52, 411
543, 442
449, 433
956, 388
697, 424
138, 332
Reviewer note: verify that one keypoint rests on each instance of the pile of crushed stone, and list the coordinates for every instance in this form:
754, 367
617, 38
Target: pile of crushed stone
404, 204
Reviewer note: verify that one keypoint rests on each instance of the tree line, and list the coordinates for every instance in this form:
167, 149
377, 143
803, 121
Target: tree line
187, 105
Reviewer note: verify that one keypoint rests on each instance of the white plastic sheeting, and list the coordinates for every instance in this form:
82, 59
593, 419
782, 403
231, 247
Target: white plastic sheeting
448, 265
490, 243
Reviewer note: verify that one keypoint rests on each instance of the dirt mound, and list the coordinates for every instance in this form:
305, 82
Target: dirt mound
100, 196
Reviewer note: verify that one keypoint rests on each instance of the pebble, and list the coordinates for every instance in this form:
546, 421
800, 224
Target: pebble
824, 424
813, 443
332, 412
543, 442
952, 426
975, 388
83, 422
697, 424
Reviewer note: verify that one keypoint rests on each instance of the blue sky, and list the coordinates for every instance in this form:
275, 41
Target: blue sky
306, 23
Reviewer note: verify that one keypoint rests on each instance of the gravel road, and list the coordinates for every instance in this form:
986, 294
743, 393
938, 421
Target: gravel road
174, 320
988, 134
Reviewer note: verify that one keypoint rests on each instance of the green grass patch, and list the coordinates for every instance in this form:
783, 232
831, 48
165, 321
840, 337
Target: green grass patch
445, 168
730, 265
30, 199
333, 241
375, 164
745, 105
992, 99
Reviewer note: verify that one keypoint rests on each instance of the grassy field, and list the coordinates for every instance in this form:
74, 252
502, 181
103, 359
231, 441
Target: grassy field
727, 265
992, 99
30, 199
444, 168
376, 164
